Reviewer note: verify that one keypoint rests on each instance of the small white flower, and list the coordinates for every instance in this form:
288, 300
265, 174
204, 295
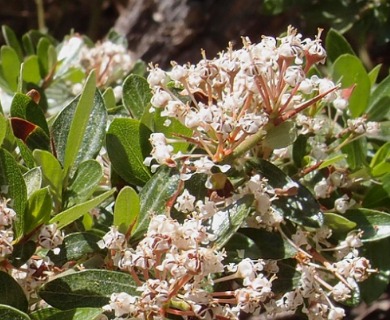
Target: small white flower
50, 236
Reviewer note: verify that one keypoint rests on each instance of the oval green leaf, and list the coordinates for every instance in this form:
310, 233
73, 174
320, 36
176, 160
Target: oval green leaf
126, 210
281, 136
349, 70
38, 210
33, 180
73, 314
128, 144
136, 95
336, 45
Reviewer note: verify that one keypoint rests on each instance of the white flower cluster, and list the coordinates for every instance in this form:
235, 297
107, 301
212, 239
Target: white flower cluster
228, 99
7, 216
110, 60
173, 264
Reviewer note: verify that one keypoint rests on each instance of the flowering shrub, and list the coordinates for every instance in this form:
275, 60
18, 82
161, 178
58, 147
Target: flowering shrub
253, 182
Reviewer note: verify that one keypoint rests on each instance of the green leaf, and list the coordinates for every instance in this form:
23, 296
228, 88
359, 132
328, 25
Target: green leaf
12, 186
127, 144
380, 163
338, 223
109, 98
24, 107
73, 314
26, 154
38, 210
377, 282
33, 180
12, 41
174, 129
288, 276
381, 92
226, 222
126, 210
301, 208
51, 170
10, 64
349, 70
44, 56
332, 160
76, 246
136, 95
154, 197
11, 294
356, 152
22, 252
30, 70
299, 150
89, 288
83, 183
281, 136
3, 128
376, 198
373, 74
81, 138
69, 215
374, 224
10, 313
241, 246
336, 45
271, 245
379, 109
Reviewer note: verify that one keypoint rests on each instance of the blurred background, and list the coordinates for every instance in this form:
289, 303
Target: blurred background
165, 30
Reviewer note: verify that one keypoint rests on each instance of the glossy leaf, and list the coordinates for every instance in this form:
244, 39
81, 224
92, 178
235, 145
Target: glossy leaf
127, 144
288, 276
81, 138
271, 245
336, 45
11, 293
12, 186
374, 224
136, 95
89, 288
25, 108
10, 64
73, 314
83, 183
241, 246
10, 313
281, 136
154, 197
38, 210
349, 70
301, 208
126, 210
69, 215
33, 180
226, 222
75, 246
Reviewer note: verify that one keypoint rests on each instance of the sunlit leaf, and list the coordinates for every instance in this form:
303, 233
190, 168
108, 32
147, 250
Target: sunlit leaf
126, 210
73, 314
69, 215
336, 45
38, 210
281, 136
136, 95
